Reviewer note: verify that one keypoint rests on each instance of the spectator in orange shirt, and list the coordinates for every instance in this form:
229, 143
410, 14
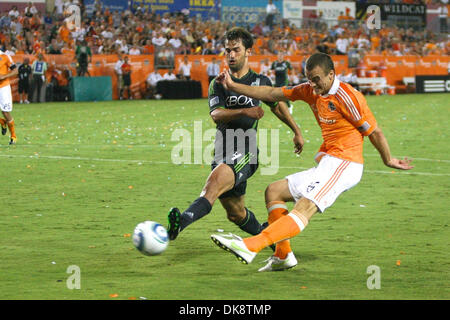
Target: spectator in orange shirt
148, 47
64, 32
375, 41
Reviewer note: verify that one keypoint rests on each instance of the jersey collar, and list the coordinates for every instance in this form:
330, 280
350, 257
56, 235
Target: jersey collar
243, 77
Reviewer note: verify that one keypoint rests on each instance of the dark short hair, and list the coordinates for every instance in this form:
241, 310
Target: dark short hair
320, 59
238, 33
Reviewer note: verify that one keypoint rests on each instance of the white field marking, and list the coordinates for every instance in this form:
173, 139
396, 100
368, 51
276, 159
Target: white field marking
77, 146
37, 157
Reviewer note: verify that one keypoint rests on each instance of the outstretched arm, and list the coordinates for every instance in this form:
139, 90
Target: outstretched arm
227, 115
379, 141
264, 93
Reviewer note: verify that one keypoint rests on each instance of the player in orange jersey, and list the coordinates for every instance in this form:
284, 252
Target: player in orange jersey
345, 119
7, 70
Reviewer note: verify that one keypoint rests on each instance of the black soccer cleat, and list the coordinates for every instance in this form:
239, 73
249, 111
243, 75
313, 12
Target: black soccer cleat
173, 228
12, 141
4, 129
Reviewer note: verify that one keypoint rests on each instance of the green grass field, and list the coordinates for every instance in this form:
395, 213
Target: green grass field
82, 175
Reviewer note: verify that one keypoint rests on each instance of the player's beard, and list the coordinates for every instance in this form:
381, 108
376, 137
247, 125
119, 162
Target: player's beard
237, 66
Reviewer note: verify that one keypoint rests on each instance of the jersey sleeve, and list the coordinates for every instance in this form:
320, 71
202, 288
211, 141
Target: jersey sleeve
299, 92
9, 62
265, 81
216, 96
354, 108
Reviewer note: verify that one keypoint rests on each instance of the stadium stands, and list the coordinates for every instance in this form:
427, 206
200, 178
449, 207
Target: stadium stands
137, 33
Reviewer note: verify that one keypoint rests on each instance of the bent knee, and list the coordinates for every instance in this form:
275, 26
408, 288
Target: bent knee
278, 191
235, 216
272, 192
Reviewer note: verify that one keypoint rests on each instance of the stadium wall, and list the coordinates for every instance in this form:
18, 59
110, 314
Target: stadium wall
394, 68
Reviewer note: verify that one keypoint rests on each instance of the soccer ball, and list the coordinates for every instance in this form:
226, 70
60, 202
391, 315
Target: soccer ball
150, 238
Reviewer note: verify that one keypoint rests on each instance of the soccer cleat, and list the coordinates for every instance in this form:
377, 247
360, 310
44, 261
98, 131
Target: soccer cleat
173, 229
12, 141
276, 264
4, 129
235, 245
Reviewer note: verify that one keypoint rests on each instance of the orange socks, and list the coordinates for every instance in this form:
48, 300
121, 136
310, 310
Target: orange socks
10, 125
284, 228
12, 129
277, 210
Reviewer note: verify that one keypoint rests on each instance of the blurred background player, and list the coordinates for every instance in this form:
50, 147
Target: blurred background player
345, 119
235, 154
126, 78
7, 70
24, 80
83, 55
281, 69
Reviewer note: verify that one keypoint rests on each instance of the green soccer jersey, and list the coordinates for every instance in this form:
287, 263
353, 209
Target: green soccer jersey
281, 72
219, 97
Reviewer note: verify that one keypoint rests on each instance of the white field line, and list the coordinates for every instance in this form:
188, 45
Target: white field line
37, 157
193, 148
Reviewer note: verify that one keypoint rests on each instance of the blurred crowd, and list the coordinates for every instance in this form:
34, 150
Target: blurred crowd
135, 32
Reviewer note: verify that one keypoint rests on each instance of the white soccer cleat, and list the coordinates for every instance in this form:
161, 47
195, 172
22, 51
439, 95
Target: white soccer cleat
276, 264
235, 245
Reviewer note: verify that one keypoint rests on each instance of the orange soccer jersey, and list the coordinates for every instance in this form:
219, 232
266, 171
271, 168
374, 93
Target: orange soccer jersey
5, 63
342, 114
